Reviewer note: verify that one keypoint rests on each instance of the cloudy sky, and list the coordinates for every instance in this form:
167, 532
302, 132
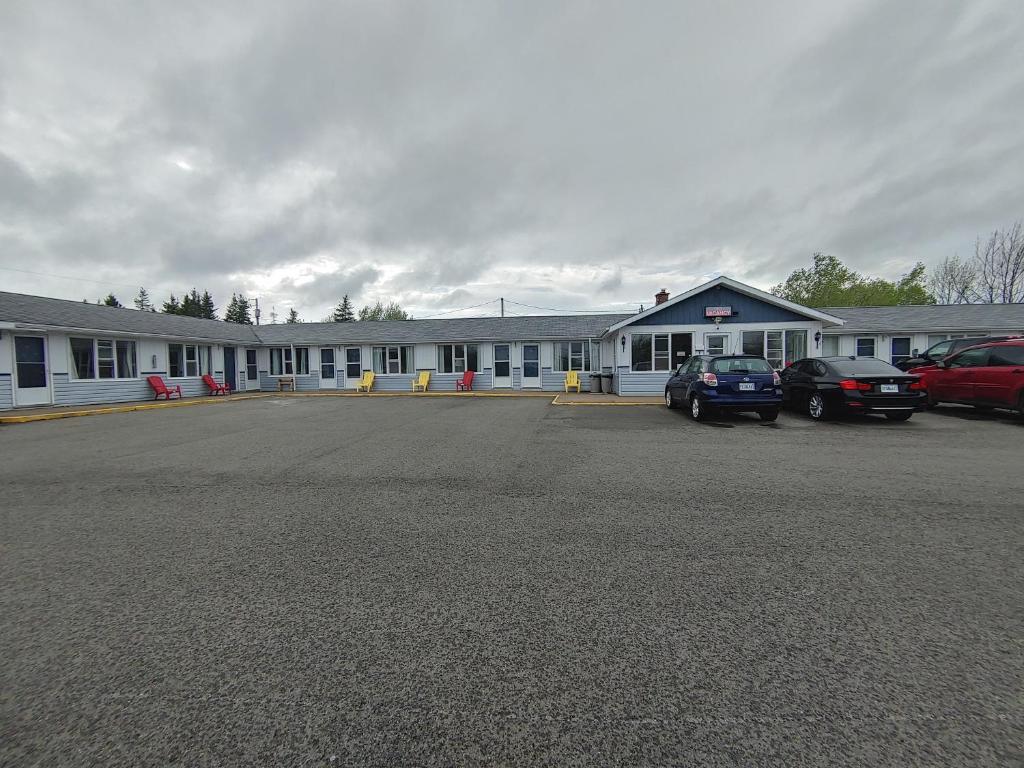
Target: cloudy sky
563, 155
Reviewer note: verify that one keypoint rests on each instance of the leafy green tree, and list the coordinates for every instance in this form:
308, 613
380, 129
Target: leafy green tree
343, 313
111, 301
379, 311
238, 310
830, 283
293, 316
142, 301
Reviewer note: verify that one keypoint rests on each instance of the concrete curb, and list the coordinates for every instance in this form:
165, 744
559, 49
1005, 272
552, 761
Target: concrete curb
149, 406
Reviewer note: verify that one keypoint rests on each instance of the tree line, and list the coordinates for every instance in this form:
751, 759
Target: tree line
993, 275
242, 309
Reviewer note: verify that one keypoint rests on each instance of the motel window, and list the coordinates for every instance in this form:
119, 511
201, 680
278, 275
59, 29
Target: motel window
189, 360
779, 348
457, 358
282, 363
866, 347
103, 359
796, 346
830, 346
900, 349
717, 343
653, 351
572, 356
353, 362
392, 360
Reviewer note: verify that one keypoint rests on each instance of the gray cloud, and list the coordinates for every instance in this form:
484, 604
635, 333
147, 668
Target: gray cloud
573, 155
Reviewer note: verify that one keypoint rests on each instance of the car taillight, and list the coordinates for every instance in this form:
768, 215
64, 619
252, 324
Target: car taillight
776, 379
851, 384
918, 385
710, 379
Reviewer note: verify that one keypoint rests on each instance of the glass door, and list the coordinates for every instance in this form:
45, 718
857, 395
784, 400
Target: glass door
502, 366
353, 367
328, 375
30, 385
531, 366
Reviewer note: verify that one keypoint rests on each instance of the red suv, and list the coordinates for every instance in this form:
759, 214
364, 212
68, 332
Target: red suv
986, 376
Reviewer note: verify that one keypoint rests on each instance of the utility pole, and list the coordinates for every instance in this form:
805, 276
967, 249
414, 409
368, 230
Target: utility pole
257, 310
502, 306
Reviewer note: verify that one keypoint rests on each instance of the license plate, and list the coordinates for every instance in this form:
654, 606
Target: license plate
890, 387
746, 386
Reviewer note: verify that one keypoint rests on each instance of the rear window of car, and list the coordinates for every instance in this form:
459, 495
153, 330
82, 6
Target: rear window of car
740, 365
860, 367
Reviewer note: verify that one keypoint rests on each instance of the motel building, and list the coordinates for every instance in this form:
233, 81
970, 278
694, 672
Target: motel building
57, 352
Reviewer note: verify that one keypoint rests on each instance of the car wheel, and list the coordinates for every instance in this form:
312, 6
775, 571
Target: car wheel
698, 410
768, 414
899, 416
670, 401
816, 407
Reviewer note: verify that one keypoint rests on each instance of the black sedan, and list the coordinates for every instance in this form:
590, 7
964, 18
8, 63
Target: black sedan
823, 387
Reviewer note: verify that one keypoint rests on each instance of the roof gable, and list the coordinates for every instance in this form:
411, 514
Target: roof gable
749, 304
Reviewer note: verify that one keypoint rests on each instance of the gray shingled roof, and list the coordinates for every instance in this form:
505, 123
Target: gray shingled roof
38, 310
932, 317
61, 313
533, 328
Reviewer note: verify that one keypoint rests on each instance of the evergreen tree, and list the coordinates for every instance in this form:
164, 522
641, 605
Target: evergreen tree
142, 301
238, 310
172, 306
111, 301
343, 313
192, 304
293, 316
206, 307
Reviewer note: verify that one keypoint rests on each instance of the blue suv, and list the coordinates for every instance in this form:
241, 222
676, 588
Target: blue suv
706, 383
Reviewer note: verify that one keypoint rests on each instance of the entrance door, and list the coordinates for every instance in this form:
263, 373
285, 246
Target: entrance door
30, 386
229, 368
328, 376
252, 371
502, 366
682, 348
353, 367
531, 366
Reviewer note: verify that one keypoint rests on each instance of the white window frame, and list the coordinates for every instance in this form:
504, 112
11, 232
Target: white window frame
829, 337
892, 351
856, 346
725, 344
776, 356
390, 357
281, 362
201, 355
114, 364
456, 357
578, 356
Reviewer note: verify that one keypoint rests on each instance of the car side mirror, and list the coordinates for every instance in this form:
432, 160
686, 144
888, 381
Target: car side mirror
914, 352
941, 364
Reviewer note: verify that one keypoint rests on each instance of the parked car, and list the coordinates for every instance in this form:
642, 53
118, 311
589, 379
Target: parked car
987, 376
707, 383
823, 387
943, 349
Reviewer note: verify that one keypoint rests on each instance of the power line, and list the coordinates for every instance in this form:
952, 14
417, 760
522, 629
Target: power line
551, 309
65, 277
462, 309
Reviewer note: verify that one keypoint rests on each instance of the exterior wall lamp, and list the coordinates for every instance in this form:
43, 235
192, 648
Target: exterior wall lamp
817, 339
622, 338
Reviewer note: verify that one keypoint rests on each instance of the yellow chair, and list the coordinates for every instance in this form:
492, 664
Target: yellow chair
366, 383
422, 382
572, 379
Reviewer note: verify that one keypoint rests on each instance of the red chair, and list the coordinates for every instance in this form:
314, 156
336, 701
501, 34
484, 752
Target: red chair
161, 389
466, 384
215, 388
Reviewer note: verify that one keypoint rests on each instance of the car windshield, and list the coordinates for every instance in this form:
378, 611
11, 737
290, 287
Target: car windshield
865, 367
740, 365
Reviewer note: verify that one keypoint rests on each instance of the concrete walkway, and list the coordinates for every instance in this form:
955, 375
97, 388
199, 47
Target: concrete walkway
50, 412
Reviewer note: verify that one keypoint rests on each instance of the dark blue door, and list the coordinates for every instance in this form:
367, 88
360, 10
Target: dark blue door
229, 368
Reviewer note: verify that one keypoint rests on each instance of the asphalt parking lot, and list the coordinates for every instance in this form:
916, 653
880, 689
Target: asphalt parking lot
505, 582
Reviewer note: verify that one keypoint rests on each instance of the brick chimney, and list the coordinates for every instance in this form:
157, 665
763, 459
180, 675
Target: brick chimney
660, 297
